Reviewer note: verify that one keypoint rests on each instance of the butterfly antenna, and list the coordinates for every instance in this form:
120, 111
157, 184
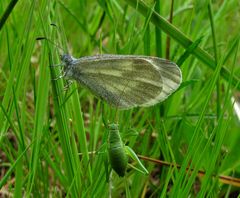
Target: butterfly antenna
53, 43
61, 34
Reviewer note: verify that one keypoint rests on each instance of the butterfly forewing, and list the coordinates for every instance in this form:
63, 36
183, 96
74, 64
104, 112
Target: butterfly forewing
171, 78
127, 81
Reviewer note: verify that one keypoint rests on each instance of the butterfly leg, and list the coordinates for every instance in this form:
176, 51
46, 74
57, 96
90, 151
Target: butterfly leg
56, 65
69, 82
63, 74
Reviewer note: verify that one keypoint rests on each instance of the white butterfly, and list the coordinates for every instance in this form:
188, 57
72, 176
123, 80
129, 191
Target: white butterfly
125, 81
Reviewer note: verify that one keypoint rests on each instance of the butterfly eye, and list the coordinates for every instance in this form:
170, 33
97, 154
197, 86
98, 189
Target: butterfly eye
66, 58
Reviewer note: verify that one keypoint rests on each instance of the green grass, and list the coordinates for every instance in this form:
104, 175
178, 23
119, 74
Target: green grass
47, 134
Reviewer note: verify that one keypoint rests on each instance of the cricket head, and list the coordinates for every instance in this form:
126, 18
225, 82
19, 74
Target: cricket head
113, 126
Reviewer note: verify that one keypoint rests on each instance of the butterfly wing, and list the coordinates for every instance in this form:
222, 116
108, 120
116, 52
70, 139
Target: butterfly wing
127, 81
171, 78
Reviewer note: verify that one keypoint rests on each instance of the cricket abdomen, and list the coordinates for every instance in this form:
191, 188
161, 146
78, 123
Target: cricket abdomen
117, 155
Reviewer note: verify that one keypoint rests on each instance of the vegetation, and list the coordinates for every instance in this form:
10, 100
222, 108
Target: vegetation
50, 139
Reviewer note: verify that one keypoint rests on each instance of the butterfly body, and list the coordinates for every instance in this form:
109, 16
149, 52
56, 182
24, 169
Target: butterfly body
125, 81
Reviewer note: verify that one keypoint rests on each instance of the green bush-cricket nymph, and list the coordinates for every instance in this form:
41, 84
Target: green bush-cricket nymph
116, 151
125, 81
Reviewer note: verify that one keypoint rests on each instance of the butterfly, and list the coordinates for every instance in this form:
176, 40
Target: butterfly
124, 81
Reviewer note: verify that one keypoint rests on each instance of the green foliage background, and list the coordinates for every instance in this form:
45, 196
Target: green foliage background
46, 134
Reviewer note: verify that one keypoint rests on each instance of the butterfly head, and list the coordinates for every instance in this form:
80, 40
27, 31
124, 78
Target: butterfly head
66, 59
